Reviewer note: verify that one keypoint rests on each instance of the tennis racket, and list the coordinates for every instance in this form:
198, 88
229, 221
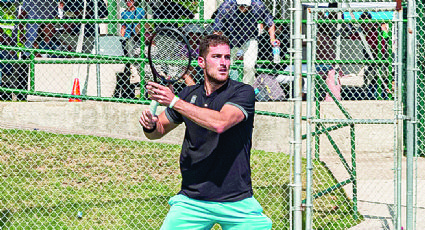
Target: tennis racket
169, 57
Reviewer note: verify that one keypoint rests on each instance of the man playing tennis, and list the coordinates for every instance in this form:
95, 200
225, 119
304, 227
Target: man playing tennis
215, 158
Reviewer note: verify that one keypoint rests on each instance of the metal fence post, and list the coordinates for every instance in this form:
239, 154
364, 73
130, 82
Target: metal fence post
309, 167
297, 202
399, 118
410, 112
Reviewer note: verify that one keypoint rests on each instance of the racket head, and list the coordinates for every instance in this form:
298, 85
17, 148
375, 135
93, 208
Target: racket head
169, 55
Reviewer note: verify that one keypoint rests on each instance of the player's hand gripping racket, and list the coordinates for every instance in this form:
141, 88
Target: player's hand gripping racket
169, 57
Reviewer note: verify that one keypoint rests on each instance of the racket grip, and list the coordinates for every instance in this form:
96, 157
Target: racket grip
153, 106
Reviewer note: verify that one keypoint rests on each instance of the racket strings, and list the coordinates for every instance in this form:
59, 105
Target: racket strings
170, 55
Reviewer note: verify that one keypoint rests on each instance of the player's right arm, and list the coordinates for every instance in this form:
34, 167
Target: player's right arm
155, 127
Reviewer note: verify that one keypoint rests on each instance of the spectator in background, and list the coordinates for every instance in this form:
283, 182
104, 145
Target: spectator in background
194, 32
37, 9
12, 75
5, 69
47, 39
170, 10
61, 13
265, 52
374, 49
238, 19
77, 10
283, 81
131, 32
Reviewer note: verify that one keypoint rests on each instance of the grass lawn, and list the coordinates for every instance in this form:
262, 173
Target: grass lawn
46, 179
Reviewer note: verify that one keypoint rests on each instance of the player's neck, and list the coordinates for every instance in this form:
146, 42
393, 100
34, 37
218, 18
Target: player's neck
211, 86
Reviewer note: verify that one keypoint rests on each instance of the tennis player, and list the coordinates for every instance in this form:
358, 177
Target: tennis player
215, 158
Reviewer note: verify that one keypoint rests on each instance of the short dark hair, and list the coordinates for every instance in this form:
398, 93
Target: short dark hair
211, 40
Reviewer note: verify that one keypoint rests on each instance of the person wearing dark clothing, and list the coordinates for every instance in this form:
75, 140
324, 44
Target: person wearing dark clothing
171, 10
238, 19
37, 9
77, 10
374, 49
215, 158
131, 47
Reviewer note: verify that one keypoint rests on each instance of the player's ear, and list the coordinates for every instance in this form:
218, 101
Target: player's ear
201, 62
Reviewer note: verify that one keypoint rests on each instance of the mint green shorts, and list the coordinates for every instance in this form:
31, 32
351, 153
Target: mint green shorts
186, 213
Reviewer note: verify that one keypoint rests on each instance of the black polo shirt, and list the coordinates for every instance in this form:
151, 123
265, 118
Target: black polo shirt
215, 167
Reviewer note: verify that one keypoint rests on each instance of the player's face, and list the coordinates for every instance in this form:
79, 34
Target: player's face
217, 63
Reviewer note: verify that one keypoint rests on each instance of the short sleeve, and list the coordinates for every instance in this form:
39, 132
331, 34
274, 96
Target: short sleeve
244, 99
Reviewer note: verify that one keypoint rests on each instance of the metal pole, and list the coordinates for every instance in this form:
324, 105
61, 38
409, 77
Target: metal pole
410, 100
96, 42
297, 202
291, 122
32, 72
399, 118
309, 166
353, 173
338, 45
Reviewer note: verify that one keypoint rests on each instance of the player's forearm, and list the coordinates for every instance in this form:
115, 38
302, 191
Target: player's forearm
205, 117
155, 133
162, 127
155, 127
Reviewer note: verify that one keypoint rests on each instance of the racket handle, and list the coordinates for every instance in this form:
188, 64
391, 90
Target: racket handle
153, 106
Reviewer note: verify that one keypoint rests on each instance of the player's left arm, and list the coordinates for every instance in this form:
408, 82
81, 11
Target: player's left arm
216, 121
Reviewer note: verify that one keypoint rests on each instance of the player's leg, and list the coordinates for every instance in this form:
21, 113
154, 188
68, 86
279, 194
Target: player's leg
186, 213
246, 214
249, 60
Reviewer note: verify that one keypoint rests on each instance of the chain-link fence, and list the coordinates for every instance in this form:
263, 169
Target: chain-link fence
72, 85
354, 58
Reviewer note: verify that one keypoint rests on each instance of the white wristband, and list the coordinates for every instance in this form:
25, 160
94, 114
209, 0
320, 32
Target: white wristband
173, 102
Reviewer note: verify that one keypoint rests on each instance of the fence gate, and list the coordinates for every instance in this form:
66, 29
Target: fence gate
354, 93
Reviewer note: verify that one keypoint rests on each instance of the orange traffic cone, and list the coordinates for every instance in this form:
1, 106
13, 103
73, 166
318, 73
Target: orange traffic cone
75, 91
